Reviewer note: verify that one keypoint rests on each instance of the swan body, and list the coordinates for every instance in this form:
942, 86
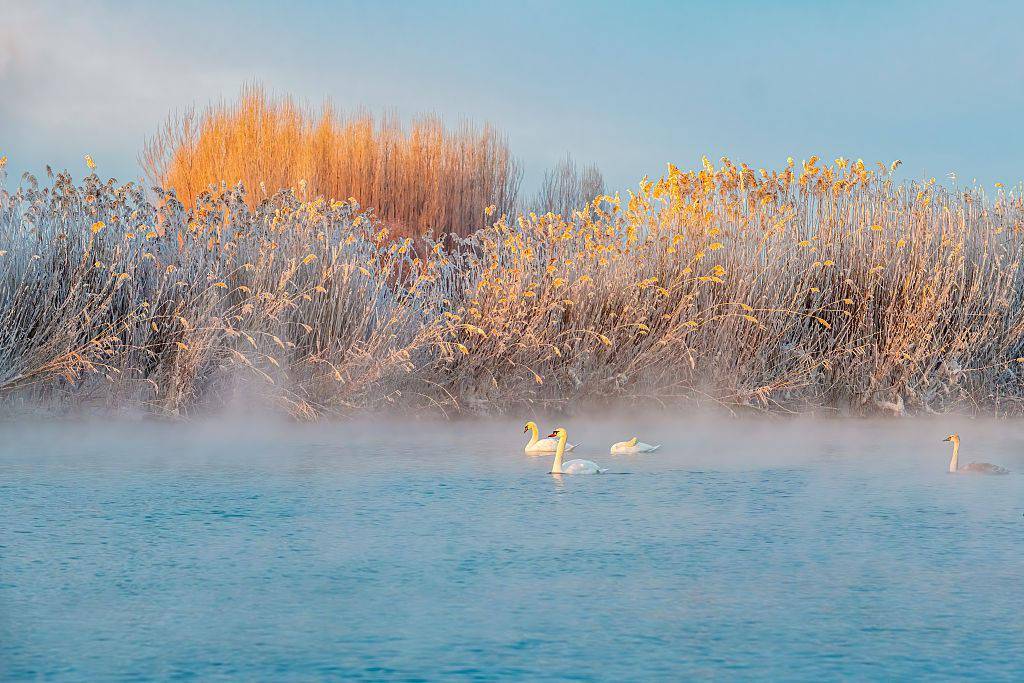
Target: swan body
632, 446
577, 466
538, 446
972, 468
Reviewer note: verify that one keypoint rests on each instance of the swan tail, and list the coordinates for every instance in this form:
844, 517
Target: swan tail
655, 448
572, 447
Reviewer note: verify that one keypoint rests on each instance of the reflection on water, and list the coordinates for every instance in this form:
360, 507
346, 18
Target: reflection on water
742, 549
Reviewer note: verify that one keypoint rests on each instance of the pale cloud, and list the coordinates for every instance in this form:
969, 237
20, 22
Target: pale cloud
80, 79
98, 77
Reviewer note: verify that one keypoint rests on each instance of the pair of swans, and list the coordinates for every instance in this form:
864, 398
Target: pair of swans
557, 442
972, 468
539, 446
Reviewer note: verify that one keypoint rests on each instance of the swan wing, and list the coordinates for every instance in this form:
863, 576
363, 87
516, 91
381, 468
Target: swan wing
581, 467
543, 446
626, 448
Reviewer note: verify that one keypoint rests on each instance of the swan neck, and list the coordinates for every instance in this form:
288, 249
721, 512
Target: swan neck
955, 460
557, 465
534, 435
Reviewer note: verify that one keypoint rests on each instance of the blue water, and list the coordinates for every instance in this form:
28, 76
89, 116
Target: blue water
743, 550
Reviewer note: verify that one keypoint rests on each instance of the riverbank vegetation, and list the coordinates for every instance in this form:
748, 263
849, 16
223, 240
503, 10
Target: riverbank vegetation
418, 178
812, 287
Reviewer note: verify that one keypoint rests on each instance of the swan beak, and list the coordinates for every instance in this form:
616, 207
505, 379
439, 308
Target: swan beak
552, 434
946, 439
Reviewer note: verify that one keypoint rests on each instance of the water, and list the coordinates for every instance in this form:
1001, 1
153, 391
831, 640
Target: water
384, 551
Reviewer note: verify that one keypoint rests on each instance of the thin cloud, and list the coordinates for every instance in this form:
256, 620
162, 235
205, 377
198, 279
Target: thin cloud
80, 80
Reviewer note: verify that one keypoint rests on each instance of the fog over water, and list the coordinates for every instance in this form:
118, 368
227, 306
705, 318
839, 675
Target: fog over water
251, 548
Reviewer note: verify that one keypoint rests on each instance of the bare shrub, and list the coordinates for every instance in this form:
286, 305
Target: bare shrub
567, 188
421, 178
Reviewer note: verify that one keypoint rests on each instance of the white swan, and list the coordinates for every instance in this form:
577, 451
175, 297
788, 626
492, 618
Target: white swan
538, 446
974, 467
632, 446
570, 466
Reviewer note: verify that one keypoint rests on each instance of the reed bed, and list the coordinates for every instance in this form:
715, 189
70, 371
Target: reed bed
814, 287
420, 178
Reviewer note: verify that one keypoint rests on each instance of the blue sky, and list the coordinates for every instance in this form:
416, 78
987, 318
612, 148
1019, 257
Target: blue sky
627, 86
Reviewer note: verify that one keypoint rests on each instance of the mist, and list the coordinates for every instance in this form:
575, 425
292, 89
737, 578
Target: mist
786, 547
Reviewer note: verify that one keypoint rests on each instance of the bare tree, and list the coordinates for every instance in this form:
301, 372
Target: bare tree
567, 188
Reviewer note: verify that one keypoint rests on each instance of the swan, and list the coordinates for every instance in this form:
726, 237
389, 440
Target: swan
974, 467
570, 466
539, 446
633, 446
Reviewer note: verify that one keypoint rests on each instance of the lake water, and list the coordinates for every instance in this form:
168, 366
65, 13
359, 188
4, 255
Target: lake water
787, 550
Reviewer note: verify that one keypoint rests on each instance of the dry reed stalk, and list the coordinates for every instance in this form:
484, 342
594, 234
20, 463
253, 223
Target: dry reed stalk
812, 286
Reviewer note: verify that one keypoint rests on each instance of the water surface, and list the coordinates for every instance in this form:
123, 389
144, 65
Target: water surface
795, 550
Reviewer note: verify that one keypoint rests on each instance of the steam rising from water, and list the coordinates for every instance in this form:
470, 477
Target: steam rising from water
695, 441
381, 549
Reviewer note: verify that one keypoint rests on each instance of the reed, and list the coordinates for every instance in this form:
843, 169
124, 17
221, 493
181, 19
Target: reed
815, 286
422, 178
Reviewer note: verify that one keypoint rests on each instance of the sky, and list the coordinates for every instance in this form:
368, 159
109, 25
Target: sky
628, 86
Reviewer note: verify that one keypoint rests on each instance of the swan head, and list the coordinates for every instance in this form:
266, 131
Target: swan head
528, 426
955, 438
633, 441
558, 434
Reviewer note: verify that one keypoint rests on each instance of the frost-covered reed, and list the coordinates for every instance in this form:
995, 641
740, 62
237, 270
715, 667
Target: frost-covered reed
816, 286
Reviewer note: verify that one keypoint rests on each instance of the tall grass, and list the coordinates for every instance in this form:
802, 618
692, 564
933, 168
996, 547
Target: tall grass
811, 287
421, 178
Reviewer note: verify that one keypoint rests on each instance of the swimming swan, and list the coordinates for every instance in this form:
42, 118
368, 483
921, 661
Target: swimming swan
974, 467
633, 446
570, 466
539, 446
